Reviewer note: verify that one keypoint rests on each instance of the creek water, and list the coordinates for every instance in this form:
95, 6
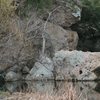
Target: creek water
91, 90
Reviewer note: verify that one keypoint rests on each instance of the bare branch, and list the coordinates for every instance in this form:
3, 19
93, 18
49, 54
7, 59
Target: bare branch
45, 24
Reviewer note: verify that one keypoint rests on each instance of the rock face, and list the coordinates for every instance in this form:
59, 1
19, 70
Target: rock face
20, 47
76, 65
41, 70
61, 38
65, 14
14, 50
12, 76
25, 50
67, 65
23, 43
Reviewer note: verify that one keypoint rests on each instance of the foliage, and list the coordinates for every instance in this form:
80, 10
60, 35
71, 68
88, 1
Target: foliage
91, 3
88, 27
93, 9
6, 12
91, 13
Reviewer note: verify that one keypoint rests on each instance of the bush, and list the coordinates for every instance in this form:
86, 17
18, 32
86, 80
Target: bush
91, 13
93, 7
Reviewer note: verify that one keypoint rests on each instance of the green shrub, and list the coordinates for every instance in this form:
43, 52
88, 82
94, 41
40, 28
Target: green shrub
91, 13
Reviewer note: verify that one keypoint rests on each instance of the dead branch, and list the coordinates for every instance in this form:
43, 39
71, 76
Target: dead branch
44, 30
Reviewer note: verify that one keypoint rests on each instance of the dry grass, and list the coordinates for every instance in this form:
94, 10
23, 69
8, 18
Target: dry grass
6, 13
9, 21
39, 96
69, 94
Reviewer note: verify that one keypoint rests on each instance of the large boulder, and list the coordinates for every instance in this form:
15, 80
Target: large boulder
42, 69
76, 65
61, 38
12, 76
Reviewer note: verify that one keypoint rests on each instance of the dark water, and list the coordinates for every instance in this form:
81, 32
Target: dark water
91, 90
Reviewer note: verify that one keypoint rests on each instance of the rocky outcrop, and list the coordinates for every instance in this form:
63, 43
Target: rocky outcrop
42, 69
61, 38
23, 43
64, 14
12, 76
67, 65
24, 48
76, 65
21, 50
14, 49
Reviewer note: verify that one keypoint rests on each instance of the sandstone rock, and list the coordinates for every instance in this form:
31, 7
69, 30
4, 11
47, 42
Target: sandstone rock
76, 64
61, 38
12, 76
15, 69
25, 70
41, 70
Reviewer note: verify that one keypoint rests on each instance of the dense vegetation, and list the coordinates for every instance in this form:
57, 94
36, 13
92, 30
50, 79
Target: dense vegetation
88, 27
90, 13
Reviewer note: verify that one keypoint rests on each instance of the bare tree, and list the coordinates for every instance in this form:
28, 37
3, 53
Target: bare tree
44, 30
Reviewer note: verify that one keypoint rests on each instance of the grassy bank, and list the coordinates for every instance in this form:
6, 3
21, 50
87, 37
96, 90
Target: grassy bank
68, 94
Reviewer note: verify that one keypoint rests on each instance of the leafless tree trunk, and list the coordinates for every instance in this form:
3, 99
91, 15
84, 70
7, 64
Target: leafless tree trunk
44, 30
